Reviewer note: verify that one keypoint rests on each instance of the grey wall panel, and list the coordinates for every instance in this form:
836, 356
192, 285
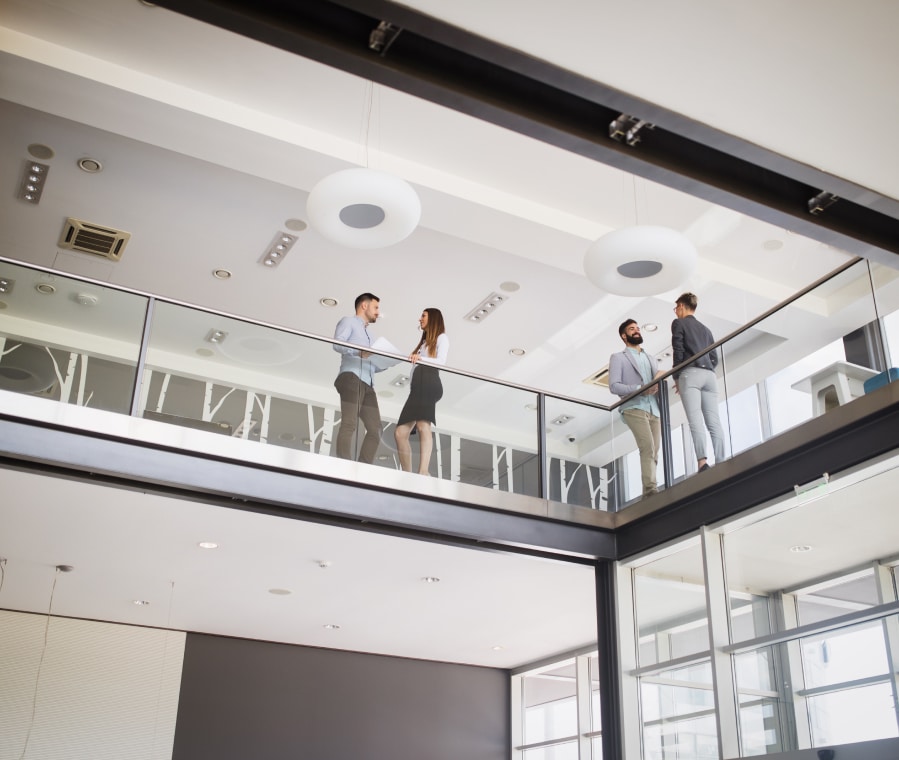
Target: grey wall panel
249, 699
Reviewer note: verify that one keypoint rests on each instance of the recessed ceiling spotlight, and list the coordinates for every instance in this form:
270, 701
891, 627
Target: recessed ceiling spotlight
430, 579
400, 381
6, 285
205, 352
517, 352
649, 327
800, 548
295, 225
221, 274
40, 151
562, 419
45, 288
287, 437
90, 165
216, 336
509, 287
773, 245
385, 394
208, 545
531, 407
331, 627
497, 648
280, 591
141, 602
328, 301
324, 564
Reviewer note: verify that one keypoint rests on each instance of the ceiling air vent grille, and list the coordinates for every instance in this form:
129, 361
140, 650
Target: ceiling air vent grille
600, 378
92, 238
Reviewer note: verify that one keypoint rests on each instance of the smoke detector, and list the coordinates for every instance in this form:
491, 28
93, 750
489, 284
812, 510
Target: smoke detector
87, 237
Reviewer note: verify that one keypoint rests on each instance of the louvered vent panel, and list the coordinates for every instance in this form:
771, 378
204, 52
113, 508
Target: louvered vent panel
83, 236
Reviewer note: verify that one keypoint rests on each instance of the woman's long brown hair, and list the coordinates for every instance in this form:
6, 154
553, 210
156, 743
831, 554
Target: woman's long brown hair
432, 331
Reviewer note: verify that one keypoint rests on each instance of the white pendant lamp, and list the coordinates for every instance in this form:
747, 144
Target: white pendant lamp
643, 260
363, 208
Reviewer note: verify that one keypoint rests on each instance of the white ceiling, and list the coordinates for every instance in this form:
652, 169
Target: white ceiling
211, 142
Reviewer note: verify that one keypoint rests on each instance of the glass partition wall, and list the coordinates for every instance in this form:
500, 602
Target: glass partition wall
78, 342
773, 632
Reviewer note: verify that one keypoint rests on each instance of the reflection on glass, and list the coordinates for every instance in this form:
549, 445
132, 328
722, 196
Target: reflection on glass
836, 596
845, 655
679, 714
550, 704
579, 444
749, 615
566, 751
595, 701
69, 341
886, 292
254, 382
671, 607
854, 715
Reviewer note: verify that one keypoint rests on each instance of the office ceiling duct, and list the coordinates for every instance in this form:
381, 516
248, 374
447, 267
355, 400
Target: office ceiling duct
87, 237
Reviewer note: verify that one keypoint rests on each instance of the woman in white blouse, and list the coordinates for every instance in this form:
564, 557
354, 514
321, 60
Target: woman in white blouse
425, 391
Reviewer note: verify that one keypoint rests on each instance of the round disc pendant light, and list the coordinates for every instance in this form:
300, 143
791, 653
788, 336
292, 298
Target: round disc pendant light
643, 260
363, 208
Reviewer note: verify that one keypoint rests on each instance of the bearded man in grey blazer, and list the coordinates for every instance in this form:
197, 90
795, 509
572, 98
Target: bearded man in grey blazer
629, 371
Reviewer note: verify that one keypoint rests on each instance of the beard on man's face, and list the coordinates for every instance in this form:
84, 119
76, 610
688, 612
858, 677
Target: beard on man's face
634, 340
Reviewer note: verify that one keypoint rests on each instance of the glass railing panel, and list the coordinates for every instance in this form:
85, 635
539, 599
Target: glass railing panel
259, 383
67, 340
710, 406
804, 379
886, 294
634, 450
235, 378
485, 433
580, 450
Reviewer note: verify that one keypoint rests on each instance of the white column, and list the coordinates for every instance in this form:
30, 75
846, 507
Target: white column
718, 608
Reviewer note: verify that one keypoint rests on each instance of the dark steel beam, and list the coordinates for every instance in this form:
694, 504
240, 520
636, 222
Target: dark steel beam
129, 463
843, 438
446, 65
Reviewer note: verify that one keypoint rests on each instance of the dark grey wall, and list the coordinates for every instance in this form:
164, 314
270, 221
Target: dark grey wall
248, 699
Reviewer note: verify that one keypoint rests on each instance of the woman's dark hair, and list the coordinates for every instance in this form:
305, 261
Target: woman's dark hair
434, 329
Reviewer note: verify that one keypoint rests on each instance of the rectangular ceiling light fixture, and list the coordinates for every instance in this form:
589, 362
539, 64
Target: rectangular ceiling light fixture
485, 308
279, 248
34, 175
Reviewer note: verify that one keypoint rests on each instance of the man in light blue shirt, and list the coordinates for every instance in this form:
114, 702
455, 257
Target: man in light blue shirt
630, 370
354, 382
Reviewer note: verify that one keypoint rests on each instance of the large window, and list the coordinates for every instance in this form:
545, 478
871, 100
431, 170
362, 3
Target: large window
773, 632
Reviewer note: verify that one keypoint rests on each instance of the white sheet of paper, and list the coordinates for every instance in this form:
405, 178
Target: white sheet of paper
383, 362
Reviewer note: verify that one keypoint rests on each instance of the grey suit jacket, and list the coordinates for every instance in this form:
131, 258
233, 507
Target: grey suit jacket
624, 377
